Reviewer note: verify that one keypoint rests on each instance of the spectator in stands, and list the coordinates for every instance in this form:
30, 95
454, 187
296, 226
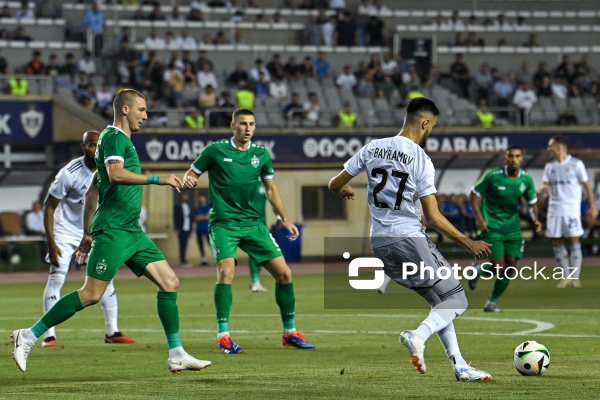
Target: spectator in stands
185, 40
169, 39
259, 67
237, 17
294, 110
291, 67
322, 66
125, 35
206, 77
439, 23
278, 89
311, 35
379, 8
238, 75
127, 60
456, 24
483, 82
365, 87
433, 78
345, 30
473, 40
237, 37
521, 25
5, 12
559, 88
69, 67
386, 88
153, 40
152, 75
460, 76
94, 21
503, 91
174, 84
532, 41
307, 69
312, 110
261, 87
222, 118
328, 30
188, 64
346, 78
220, 38
156, 14
375, 34
52, 68
585, 68
459, 40
540, 74
36, 66
568, 118
189, 77
524, 74
472, 23
245, 96
21, 36
24, 12
524, 98
388, 64
484, 117
87, 64
4, 34
176, 15
193, 120
104, 99
176, 60
545, 89
275, 67
139, 15
18, 86
502, 23
34, 221
346, 117
195, 15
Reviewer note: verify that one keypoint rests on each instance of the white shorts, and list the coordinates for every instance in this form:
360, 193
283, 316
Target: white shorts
563, 226
67, 248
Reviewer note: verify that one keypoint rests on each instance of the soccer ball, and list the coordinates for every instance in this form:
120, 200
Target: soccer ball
531, 358
15, 259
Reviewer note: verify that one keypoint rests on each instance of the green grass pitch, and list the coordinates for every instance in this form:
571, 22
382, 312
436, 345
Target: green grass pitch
358, 355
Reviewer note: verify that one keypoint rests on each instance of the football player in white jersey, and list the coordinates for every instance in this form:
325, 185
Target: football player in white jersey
401, 179
563, 180
63, 219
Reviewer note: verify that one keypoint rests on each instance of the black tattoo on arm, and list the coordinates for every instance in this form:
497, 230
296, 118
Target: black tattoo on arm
113, 161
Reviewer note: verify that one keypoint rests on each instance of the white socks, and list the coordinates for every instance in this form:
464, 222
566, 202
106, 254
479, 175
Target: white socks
561, 255
110, 307
575, 259
450, 342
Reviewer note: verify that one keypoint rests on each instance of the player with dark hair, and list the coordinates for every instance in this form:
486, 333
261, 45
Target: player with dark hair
495, 199
401, 180
114, 237
563, 179
234, 166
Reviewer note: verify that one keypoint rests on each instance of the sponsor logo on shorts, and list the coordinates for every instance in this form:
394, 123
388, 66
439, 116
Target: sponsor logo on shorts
101, 267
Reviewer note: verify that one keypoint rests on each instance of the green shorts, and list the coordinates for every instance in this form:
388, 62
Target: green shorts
256, 241
112, 248
505, 244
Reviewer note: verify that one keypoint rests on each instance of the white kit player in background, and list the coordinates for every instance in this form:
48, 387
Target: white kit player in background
401, 180
63, 219
563, 180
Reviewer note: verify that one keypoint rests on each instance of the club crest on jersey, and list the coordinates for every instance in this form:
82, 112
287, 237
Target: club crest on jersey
255, 161
101, 267
522, 187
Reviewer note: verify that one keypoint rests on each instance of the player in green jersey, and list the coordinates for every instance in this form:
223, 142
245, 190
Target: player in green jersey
234, 165
114, 237
495, 198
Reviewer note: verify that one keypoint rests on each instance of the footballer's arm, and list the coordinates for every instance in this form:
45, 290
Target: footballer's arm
340, 187
50, 206
119, 175
592, 210
190, 179
437, 221
476, 206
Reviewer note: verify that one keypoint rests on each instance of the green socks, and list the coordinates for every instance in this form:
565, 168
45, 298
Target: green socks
223, 301
499, 288
254, 272
284, 296
168, 312
64, 309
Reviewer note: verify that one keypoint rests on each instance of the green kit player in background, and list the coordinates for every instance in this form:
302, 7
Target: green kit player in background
234, 166
114, 237
495, 199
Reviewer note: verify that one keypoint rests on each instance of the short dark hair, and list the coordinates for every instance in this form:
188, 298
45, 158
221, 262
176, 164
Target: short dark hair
242, 111
421, 105
514, 147
561, 140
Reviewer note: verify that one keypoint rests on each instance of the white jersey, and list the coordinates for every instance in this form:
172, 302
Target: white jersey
565, 181
400, 173
69, 186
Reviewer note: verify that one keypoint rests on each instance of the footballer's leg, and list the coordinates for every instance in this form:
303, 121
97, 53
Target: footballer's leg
254, 269
110, 307
383, 287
